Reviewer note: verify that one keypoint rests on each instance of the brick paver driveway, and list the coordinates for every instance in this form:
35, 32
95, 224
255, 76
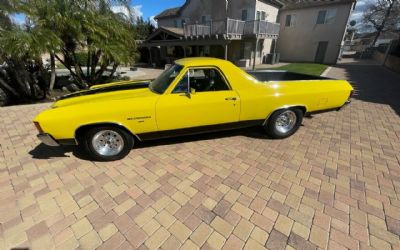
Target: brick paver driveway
335, 184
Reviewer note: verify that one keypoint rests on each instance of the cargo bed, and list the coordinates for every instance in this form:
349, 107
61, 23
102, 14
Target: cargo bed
281, 75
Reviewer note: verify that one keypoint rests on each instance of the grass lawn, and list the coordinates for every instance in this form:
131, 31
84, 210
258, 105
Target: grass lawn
305, 68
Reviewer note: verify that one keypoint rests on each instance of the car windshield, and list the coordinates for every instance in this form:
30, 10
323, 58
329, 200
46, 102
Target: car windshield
161, 83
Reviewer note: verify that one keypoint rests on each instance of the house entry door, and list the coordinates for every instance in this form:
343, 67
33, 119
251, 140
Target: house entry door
321, 51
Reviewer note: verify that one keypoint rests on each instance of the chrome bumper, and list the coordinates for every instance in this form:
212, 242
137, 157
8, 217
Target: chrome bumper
347, 103
48, 140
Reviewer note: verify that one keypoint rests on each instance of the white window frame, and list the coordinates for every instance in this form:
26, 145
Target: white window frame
292, 20
329, 18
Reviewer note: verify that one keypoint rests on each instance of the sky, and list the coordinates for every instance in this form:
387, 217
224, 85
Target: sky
150, 8
357, 14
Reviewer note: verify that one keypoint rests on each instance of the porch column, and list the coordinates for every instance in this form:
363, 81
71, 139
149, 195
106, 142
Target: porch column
151, 57
184, 51
274, 41
255, 54
226, 51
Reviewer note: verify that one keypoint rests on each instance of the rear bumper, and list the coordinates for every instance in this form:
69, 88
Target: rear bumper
347, 103
48, 140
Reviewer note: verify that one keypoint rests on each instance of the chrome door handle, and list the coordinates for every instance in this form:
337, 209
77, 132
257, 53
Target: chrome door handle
231, 99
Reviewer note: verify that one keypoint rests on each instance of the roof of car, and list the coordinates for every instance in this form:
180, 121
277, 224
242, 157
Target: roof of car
201, 61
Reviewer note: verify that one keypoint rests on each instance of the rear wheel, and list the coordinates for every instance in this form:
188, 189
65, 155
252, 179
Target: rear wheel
284, 123
108, 143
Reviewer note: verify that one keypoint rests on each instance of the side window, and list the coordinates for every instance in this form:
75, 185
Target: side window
290, 20
244, 15
330, 16
326, 16
202, 80
263, 15
321, 17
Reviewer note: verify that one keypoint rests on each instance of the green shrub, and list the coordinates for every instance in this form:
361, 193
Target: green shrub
82, 57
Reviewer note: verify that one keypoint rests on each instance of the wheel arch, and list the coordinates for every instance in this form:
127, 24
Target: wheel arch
301, 107
79, 132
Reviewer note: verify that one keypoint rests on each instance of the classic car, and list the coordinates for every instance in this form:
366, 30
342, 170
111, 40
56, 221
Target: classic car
195, 95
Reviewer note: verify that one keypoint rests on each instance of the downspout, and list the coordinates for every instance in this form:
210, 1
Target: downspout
344, 32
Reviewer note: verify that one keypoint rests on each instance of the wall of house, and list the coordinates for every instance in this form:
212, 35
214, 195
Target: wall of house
272, 11
392, 62
216, 10
166, 22
237, 6
300, 42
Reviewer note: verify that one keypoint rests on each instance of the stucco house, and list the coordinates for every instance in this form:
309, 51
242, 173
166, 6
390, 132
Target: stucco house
238, 30
247, 31
313, 31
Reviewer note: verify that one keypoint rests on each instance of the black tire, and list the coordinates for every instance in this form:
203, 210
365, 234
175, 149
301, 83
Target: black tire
276, 131
88, 143
4, 98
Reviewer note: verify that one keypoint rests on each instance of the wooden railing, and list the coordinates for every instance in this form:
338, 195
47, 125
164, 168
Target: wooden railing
232, 27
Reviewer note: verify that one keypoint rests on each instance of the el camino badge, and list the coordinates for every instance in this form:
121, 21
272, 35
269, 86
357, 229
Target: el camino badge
138, 118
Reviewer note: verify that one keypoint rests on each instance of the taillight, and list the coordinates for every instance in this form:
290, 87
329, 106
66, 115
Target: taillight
37, 125
351, 94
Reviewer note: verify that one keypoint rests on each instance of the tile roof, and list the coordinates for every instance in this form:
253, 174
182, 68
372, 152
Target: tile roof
168, 13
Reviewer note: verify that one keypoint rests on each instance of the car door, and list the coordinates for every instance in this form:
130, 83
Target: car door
210, 101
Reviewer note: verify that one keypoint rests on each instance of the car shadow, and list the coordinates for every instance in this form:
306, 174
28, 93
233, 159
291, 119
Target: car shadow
253, 132
45, 152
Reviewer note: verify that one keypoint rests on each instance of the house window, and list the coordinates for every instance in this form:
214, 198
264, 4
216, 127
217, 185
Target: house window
263, 15
290, 20
170, 51
176, 23
183, 22
244, 15
258, 16
203, 19
326, 16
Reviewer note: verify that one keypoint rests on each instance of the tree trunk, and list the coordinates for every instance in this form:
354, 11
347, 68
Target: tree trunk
114, 69
73, 74
53, 70
95, 61
100, 72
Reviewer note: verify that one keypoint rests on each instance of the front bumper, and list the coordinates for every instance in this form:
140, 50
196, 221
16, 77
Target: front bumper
48, 140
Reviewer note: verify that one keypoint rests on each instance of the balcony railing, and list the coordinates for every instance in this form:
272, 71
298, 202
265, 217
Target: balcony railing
232, 28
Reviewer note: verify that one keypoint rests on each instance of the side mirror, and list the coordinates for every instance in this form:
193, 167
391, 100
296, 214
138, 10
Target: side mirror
192, 91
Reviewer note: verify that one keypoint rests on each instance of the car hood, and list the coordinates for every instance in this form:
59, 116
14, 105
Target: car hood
106, 92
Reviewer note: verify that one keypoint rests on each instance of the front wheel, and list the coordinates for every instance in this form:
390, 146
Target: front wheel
107, 143
284, 123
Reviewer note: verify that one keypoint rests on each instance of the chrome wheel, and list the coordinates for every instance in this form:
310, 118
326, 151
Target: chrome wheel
286, 121
108, 143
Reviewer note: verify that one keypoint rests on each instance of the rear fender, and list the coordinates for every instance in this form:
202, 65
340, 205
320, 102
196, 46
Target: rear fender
301, 107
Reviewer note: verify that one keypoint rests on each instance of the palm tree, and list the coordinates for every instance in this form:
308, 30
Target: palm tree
75, 26
21, 74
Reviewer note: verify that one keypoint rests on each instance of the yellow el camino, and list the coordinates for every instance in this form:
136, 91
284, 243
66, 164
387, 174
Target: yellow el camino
194, 95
